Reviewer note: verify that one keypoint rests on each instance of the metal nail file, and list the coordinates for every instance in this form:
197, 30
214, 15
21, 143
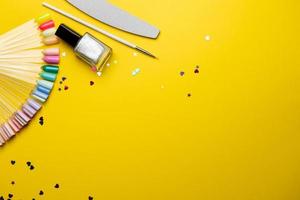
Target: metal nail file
115, 17
87, 24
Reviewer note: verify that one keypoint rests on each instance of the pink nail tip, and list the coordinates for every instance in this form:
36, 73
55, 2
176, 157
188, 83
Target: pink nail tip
16, 123
13, 126
51, 52
9, 131
23, 116
52, 59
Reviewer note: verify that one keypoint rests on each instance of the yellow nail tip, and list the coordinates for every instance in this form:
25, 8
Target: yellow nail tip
43, 18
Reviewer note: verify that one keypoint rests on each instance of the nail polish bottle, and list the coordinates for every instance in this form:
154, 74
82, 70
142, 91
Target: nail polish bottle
86, 47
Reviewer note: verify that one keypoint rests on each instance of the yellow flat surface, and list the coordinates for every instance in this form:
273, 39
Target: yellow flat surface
139, 138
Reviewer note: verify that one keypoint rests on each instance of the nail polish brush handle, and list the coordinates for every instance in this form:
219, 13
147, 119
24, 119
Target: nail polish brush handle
112, 36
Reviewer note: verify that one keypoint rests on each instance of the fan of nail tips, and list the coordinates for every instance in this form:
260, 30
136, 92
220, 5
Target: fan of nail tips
28, 69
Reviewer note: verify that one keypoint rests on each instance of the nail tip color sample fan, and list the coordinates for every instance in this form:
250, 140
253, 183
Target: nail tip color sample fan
25, 82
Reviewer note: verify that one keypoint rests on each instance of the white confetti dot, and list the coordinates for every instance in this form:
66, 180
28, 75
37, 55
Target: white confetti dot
135, 54
207, 37
63, 54
115, 61
107, 65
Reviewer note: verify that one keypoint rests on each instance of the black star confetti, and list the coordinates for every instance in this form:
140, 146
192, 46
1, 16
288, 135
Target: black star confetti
28, 163
91, 198
13, 182
92, 83
189, 94
63, 78
10, 195
56, 186
13, 162
41, 192
182, 73
31, 167
66, 87
59, 89
41, 121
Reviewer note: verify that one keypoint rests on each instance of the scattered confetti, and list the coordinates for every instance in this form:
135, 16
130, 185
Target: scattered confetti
115, 61
135, 54
136, 71
59, 89
31, 167
91, 198
92, 83
13, 182
63, 54
56, 186
63, 78
99, 73
66, 87
108, 64
189, 95
207, 38
13, 162
10, 195
41, 192
196, 70
41, 121
182, 73
94, 69
60, 82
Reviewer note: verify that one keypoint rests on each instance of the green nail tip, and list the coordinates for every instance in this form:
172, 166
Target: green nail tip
48, 76
50, 68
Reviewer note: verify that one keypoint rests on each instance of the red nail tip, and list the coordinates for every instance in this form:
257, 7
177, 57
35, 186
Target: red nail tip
47, 25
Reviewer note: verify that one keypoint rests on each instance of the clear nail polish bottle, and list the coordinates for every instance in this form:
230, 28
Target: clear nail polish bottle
86, 47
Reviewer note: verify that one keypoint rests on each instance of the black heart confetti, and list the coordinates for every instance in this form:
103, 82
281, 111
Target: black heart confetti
41, 121
196, 70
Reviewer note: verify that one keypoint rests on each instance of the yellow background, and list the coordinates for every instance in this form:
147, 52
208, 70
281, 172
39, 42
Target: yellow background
236, 137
